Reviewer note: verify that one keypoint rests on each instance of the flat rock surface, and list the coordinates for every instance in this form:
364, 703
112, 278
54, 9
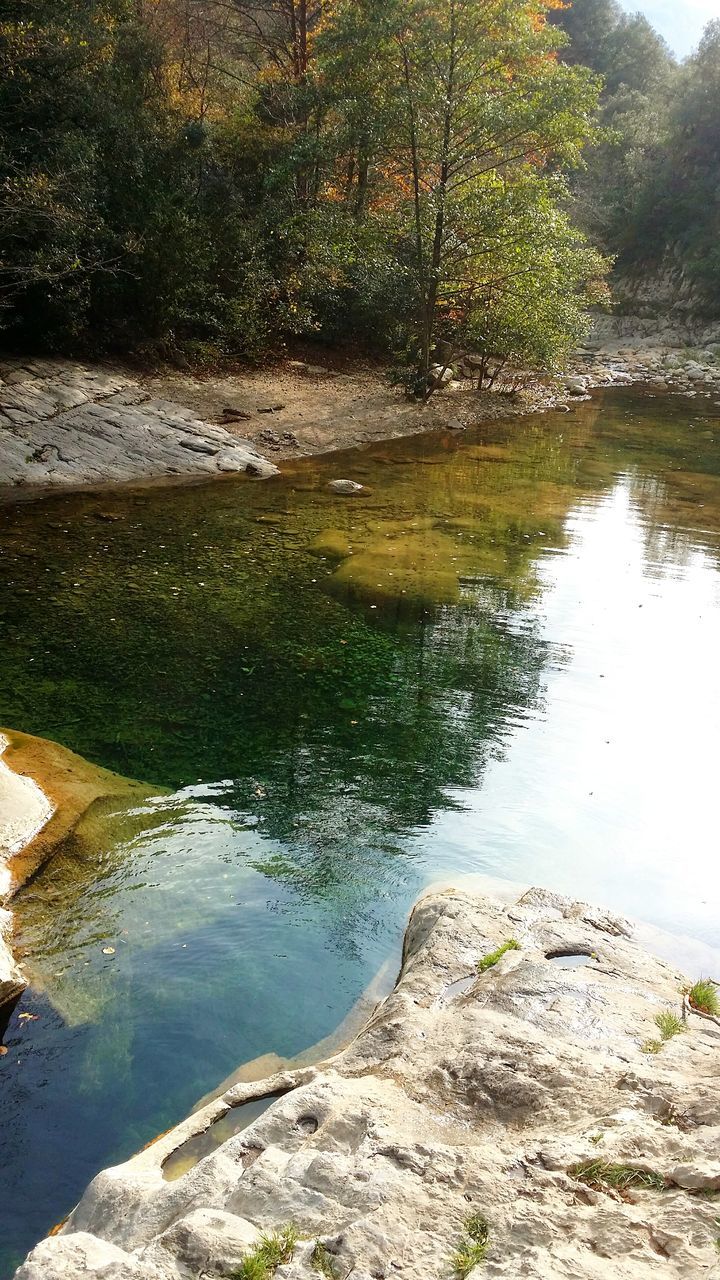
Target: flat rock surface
66, 423
465, 1094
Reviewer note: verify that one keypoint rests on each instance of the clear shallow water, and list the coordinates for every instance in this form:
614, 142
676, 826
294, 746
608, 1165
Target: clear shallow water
503, 658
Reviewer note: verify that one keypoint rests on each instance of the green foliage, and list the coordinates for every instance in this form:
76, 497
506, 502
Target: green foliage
668, 1025
487, 962
323, 1261
472, 1247
621, 1177
652, 1046
477, 122
703, 995
273, 1251
289, 178
648, 195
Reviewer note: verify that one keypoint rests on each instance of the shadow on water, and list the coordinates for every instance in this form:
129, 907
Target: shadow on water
335, 691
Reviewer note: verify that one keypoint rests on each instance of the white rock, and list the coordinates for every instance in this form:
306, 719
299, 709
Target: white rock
347, 487
463, 1094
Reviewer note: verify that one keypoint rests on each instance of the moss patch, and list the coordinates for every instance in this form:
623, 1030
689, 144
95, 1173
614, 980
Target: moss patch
487, 962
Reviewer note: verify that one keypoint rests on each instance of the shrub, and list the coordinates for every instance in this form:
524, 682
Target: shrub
703, 995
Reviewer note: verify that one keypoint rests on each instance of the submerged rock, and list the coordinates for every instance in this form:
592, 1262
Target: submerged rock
520, 1102
347, 487
46, 792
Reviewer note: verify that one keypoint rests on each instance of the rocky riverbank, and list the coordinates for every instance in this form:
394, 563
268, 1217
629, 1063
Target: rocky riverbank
510, 1108
24, 810
45, 791
64, 423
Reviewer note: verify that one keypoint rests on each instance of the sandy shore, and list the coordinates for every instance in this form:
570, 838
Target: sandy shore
68, 424
65, 423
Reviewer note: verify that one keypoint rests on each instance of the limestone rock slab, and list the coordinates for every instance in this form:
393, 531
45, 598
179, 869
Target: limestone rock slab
465, 1093
63, 423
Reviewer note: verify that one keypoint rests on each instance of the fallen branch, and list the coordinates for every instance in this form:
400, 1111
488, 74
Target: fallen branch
690, 1008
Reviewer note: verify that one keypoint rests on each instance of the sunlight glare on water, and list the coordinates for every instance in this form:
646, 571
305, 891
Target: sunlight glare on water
612, 786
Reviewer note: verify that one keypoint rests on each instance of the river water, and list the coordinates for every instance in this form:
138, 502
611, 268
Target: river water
501, 658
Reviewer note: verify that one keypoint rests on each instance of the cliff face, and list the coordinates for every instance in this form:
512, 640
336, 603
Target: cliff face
521, 1101
661, 306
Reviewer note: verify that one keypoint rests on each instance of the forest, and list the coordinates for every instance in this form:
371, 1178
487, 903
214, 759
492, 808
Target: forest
195, 179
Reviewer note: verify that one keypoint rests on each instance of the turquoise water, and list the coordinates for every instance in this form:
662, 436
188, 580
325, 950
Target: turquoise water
501, 658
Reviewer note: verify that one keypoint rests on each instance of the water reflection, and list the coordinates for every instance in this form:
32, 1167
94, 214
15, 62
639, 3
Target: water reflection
503, 657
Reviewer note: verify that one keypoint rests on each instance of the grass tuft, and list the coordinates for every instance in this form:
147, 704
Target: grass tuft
473, 1245
272, 1251
652, 1046
703, 995
601, 1174
668, 1025
488, 961
323, 1261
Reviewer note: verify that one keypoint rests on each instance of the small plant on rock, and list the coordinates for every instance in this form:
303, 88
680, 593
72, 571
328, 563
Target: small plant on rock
323, 1261
668, 1025
473, 1245
272, 1251
488, 961
652, 1046
601, 1174
703, 995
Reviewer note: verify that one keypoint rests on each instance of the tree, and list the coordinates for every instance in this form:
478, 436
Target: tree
639, 81
478, 115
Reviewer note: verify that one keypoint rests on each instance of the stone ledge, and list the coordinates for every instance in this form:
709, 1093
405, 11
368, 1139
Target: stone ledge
463, 1094
64, 423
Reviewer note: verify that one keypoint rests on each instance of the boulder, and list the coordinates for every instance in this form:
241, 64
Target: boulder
576, 386
346, 487
12, 983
